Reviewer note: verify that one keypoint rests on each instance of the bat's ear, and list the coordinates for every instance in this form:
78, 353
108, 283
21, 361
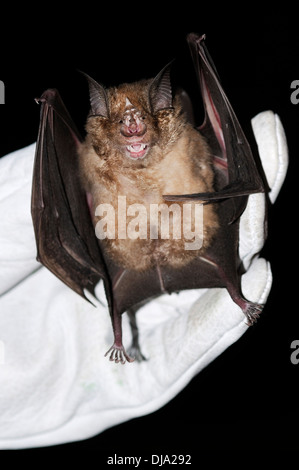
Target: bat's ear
160, 91
98, 98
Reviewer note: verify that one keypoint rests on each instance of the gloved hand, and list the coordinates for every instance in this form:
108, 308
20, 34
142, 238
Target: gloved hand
56, 384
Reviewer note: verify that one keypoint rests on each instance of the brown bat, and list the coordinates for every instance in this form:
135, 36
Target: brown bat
147, 202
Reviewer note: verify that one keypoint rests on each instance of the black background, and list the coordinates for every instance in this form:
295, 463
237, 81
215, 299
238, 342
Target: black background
247, 398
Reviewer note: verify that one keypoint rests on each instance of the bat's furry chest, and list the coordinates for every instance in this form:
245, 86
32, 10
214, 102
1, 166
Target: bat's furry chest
136, 226
139, 229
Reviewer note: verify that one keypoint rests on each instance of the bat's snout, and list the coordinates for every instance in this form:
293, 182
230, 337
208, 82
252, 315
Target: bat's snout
133, 125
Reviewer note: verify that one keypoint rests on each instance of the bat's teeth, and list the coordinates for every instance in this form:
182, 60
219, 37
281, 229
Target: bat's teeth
136, 151
136, 147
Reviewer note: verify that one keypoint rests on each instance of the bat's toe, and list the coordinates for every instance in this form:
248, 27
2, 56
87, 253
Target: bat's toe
252, 312
118, 354
135, 352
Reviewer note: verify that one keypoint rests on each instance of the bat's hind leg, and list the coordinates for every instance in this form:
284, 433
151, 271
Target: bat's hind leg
232, 282
117, 351
135, 350
251, 310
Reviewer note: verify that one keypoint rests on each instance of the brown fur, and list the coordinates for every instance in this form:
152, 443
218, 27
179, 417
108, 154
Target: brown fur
177, 162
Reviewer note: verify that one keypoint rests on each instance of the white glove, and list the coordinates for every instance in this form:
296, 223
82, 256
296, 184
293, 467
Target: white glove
56, 384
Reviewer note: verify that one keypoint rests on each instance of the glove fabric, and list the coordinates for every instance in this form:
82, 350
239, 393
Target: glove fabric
56, 384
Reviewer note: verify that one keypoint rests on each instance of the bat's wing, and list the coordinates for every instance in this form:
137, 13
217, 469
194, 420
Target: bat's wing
232, 153
66, 243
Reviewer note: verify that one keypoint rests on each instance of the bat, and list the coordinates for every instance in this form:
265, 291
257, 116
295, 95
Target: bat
147, 202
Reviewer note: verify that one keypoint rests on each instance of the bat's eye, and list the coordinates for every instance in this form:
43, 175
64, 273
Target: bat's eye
121, 121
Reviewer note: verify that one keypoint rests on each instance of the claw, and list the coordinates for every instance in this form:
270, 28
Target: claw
137, 354
252, 311
118, 354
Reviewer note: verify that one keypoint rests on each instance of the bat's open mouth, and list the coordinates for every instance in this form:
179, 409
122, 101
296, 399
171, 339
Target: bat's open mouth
137, 150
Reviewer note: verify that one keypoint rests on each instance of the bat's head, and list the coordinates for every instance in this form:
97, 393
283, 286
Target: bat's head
134, 122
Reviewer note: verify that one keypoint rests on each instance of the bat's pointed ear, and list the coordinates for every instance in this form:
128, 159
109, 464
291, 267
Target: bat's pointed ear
160, 91
98, 98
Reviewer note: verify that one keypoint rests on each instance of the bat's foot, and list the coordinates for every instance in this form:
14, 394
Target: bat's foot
118, 354
135, 352
252, 312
